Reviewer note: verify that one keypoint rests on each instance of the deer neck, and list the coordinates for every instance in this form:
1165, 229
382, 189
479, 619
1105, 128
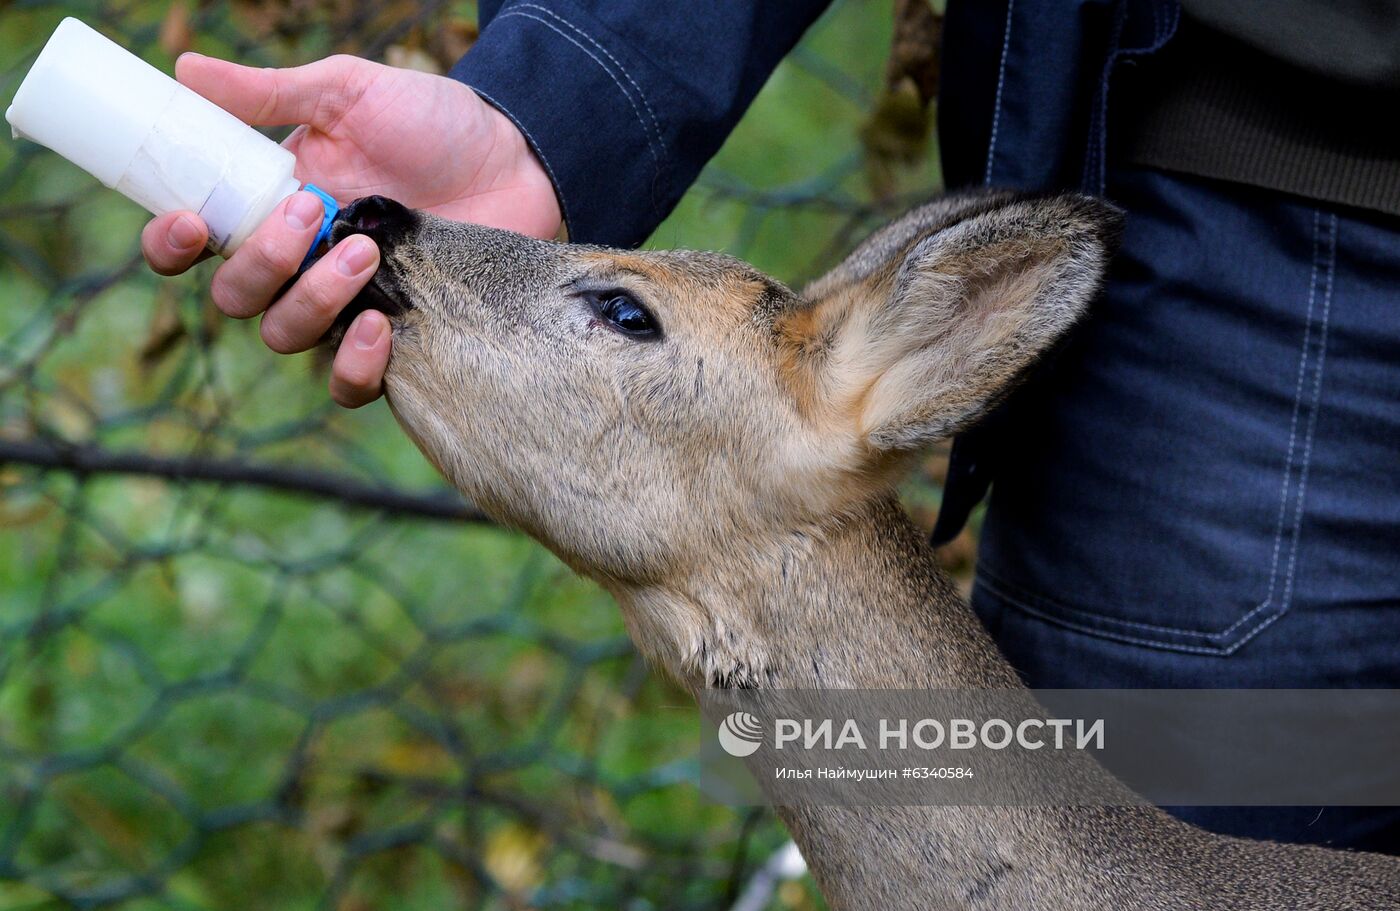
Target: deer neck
861, 604
858, 602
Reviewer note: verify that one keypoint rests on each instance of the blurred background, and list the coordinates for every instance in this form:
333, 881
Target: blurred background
253, 654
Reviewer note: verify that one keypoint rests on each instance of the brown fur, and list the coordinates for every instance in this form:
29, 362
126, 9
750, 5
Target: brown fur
730, 485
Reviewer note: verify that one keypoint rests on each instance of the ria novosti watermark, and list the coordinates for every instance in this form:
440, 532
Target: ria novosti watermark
1057, 747
741, 734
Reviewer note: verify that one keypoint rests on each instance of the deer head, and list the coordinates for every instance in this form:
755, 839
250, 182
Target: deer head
648, 415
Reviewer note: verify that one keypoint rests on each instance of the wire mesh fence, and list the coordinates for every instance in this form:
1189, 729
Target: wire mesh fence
252, 653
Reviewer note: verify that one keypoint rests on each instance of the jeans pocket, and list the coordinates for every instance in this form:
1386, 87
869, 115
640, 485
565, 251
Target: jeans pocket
1155, 492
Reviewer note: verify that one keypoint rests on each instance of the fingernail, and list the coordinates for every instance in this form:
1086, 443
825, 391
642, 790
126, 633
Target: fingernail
368, 331
184, 233
304, 210
355, 256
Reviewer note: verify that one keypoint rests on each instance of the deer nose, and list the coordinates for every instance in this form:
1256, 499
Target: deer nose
381, 218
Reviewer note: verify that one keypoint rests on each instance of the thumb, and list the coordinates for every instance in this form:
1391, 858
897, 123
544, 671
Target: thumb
317, 94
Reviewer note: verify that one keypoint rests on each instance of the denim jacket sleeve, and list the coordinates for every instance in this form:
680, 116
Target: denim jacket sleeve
625, 100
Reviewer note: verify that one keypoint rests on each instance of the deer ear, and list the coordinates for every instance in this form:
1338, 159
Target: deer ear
931, 321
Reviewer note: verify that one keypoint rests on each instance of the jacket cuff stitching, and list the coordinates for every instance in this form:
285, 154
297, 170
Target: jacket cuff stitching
651, 114
646, 132
539, 153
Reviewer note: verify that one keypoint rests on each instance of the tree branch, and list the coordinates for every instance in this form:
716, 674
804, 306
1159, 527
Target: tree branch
88, 460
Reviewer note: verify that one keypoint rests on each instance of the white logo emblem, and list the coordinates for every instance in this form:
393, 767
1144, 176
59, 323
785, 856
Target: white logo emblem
740, 734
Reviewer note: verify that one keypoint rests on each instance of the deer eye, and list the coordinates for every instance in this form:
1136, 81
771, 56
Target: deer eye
622, 312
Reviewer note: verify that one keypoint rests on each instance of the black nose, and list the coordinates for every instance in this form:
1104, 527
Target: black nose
379, 217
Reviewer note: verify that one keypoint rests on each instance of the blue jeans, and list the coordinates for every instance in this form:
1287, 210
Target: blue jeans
1203, 489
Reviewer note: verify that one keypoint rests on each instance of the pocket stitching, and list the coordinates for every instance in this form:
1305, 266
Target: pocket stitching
1017, 597
1059, 618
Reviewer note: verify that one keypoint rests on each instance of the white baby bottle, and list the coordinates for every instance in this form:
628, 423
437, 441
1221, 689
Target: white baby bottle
158, 143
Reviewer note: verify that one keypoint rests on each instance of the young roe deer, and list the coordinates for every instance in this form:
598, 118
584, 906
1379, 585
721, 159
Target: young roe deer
719, 452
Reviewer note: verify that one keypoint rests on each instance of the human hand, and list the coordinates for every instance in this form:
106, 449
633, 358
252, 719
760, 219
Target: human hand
364, 129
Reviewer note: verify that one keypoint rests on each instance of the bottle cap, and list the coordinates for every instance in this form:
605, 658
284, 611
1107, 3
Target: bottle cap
330, 208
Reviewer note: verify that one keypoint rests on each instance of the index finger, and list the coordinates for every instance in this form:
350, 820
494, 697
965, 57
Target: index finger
315, 93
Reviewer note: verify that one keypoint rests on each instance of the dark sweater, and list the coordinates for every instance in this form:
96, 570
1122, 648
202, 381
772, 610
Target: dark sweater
1288, 95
